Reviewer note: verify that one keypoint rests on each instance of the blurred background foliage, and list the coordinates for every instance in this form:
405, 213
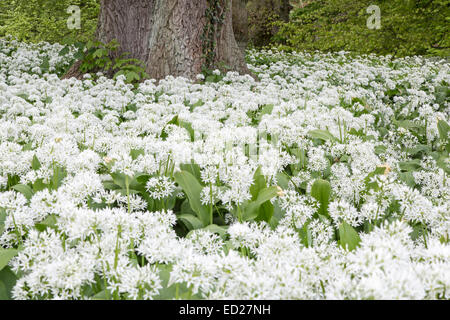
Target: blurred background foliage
46, 20
408, 27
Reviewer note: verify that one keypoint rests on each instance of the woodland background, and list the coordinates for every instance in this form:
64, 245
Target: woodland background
408, 27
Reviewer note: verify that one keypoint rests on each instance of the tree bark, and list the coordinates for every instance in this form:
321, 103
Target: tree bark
167, 35
240, 23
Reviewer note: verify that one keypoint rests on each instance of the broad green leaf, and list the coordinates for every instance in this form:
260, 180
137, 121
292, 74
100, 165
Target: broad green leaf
408, 178
407, 124
142, 178
444, 129
259, 183
266, 109
191, 222
35, 164
48, 222
251, 210
265, 212
278, 214
192, 188
109, 185
188, 127
380, 149
39, 185
192, 168
119, 179
186, 208
2, 220
411, 165
349, 238
25, 190
102, 295
283, 180
6, 255
7, 281
321, 191
322, 135
136, 153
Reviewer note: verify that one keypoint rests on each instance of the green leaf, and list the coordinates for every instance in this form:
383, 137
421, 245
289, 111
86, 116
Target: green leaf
25, 190
411, 165
259, 183
132, 76
321, 191
192, 188
283, 180
408, 178
39, 185
35, 164
102, 295
2, 220
324, 135
278, 214
191, 222
119, 179
6, 255
251, 210
136, 153
188, 127
193, 169
443, 128
48, 222
349, 238
7, 281
265, 212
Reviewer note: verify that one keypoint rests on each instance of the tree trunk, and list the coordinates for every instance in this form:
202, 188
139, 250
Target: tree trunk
168, 35
240, 23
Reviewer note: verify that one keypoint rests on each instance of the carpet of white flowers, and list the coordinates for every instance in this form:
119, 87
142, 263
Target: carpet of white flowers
326, 178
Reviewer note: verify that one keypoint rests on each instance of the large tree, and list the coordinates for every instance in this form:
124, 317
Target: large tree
173, 37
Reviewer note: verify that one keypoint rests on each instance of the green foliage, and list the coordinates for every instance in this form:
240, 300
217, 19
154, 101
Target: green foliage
192, 188
408, 27
46, 20
96, 56
349, 238
321, 191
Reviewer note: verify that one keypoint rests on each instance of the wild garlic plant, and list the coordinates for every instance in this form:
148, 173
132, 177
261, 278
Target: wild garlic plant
325, 179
